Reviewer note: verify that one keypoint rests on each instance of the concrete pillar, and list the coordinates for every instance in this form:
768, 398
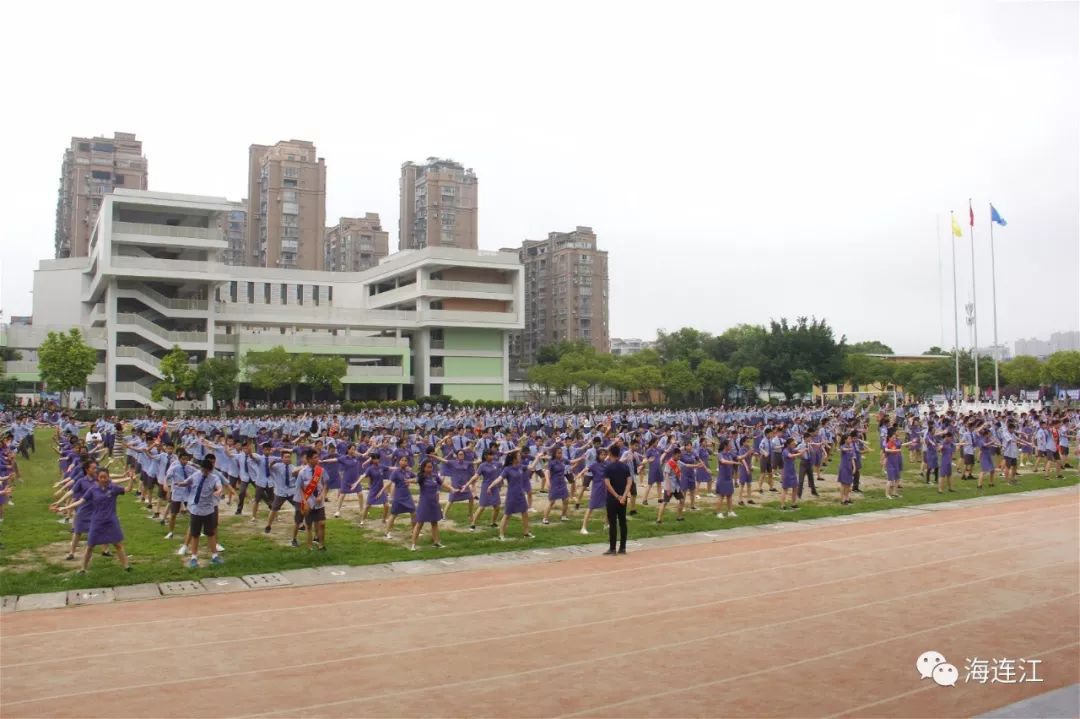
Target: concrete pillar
110, 342
421, 340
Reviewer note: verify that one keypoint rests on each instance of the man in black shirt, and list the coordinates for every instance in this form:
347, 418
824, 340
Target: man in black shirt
617, 483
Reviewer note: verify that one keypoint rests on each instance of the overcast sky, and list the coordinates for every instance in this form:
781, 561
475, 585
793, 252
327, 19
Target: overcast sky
747, 162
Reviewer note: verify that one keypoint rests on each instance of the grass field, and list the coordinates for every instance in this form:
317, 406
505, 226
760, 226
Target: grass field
35, 544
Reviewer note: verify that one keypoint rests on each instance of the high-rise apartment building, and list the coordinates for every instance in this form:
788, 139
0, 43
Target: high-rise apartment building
233, 226
286, 217
566, 294
93, 167
438, 205
356, 243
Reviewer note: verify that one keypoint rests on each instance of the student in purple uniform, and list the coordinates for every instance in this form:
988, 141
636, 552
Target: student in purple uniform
655, 468
846, 471
349, 462
513, 474
458, 471
558, 490
427, 505
597, 491
789, 481
985, 444
376, 474
745, 456
948, 448
726, 463
486, 473
401, 501
104, 522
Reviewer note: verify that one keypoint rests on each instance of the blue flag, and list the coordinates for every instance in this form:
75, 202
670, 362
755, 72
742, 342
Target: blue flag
995, 217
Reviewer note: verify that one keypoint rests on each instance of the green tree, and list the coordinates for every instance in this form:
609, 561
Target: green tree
65, 361
679, 382
646, 377
716, 380
749, 379
860, 369
809, 345
220, 376
801, 382
1024, 372
177, 376
1062, 369
9, 354
935, 350
873, 347
325, 371
269, 370
683, 344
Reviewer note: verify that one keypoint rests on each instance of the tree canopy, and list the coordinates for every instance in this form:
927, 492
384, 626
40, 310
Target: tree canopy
65, 361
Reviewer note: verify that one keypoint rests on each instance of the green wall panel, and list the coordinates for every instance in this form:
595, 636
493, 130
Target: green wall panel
466, 338
473, 366
474, 391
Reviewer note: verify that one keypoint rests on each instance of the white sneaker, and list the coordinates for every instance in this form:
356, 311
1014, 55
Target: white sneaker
169, 535
183, 550
732, 514
412, 547
720, 515
584, 531
387, 536
337, 515
220, 548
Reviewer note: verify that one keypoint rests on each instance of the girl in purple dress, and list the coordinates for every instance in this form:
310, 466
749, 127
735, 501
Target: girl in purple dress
689, 464
597, 490
846, 471
428, 510
85, 478
349, 465
376, 474
746, 471
653, 460
558, 490
789, 480
892, 452
104, 522
459, 471
486, 474
948, 449
985, 443
513, 474
401, 501
725, 484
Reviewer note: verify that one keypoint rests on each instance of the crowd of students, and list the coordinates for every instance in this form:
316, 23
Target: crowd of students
417, 464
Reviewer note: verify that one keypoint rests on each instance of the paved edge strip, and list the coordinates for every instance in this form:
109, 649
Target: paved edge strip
314, 576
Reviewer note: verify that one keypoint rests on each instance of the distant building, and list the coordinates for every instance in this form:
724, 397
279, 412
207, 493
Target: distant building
356, 243
286, 217
566, 294
1058, 342
624, 347
438, 205
428, 322
233, 226
93, 167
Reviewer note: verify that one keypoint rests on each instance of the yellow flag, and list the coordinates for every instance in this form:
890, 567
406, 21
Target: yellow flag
957, 232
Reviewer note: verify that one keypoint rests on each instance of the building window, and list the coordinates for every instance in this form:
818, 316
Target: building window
103, 147
330, 294
299, 294
266, 292
288, 196
292, 172
251, 293
315, 295
232, 291
284, 294
118, 179
84, 147
101, 175
288, 183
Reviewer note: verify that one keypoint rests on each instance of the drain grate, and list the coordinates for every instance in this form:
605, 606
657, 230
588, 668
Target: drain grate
172, 589
258, 581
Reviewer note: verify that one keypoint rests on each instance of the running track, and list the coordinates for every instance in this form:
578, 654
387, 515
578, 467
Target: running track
825, 621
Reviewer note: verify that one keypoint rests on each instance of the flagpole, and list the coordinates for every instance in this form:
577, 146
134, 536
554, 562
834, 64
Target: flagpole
940, 281
955, 311
993, 285
974, 307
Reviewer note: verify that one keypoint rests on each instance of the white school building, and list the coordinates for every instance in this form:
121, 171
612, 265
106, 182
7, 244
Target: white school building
423, 322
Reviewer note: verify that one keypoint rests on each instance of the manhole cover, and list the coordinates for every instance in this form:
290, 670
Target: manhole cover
256, 581
184, 587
